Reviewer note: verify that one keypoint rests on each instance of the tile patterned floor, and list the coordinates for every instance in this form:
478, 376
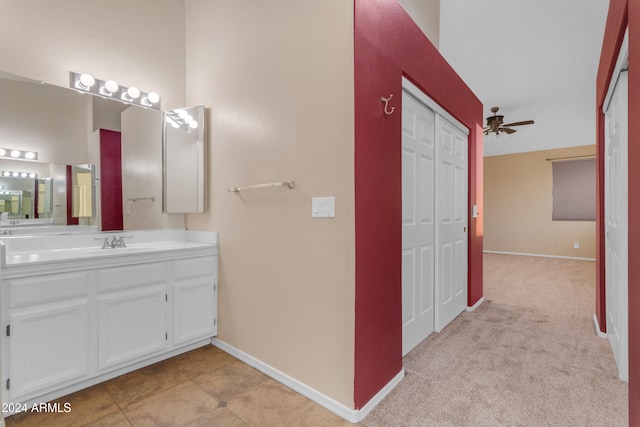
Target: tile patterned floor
202, 388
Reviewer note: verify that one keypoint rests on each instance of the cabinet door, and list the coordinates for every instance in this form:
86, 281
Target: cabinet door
131, 325
193, 310
49, 346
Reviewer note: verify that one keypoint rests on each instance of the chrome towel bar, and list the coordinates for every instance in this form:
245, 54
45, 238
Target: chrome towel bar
237, 190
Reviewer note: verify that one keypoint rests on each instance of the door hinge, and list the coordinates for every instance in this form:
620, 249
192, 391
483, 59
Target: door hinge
166, 297
8, 383
215, 286
8, 330
214, 321
166, 336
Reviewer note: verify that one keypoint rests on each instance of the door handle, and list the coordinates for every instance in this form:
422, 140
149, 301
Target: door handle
465, 229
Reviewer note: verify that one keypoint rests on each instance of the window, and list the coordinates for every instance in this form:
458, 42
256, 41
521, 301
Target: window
574, 190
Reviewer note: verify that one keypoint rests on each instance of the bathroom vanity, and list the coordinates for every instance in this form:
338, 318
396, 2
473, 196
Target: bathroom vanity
77, 310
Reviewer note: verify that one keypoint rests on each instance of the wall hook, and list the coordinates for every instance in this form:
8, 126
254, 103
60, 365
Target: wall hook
386, 105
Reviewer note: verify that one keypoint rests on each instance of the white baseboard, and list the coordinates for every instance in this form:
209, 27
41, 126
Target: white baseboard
351, 415
476, 305
364, 411
598, 330
539, 255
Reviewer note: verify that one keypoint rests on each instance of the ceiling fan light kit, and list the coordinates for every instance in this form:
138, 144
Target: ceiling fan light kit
495, 124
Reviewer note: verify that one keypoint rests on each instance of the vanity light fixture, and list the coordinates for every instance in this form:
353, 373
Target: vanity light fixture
109, 88
15, 174
18, 154
112, 90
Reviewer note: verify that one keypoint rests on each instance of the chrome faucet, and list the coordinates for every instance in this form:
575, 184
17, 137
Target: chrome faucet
116, 242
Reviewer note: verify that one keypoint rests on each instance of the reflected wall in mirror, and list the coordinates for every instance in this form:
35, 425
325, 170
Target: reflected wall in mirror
183, 142
83, 200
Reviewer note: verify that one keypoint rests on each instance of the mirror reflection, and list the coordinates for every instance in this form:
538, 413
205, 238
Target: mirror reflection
83, 197
184, 160
17, 197
64, 127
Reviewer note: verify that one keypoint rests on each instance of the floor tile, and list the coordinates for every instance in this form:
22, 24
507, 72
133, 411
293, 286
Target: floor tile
228, 381
175, 406
268, 404
315, 415
219, 417
138, 384
201, 361
86, 406
115, 419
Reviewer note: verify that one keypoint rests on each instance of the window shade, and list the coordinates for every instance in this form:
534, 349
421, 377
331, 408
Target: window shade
574, 190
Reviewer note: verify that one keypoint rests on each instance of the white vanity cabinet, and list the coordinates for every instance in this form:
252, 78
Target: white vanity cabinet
73, 324
194, 299
48, 332
133, 312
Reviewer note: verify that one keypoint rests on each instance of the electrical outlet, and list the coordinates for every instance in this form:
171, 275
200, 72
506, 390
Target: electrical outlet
576, 245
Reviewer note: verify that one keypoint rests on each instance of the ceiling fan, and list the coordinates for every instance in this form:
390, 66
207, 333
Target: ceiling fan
494, 124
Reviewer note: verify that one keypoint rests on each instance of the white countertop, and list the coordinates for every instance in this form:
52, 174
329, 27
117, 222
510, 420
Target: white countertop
68, 254
21, 250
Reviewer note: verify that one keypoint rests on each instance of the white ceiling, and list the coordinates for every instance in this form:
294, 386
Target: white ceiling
535, 60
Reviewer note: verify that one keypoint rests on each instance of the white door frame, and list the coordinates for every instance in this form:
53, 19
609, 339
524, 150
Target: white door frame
440, 114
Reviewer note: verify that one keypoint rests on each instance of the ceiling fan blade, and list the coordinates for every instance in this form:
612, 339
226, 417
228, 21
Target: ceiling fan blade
507, 130
526, 122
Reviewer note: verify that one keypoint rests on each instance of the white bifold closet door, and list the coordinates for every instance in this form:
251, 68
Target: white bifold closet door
616, 223
434, 218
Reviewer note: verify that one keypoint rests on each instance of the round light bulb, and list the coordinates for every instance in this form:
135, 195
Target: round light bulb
15, 153
32, 175
133, 92
175, 125
3, 152
30, 155
23, 175
87, 80
153, 97
16, 174
193, 124
6, 173
168, 119
183, 114
111, 86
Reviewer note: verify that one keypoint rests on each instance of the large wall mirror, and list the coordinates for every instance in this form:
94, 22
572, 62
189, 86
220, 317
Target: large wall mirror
63, 127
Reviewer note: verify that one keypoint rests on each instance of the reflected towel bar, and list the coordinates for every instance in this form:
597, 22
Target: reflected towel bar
290, 184
135, 199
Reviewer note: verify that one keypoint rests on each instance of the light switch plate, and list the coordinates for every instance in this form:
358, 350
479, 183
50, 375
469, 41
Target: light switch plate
323, 207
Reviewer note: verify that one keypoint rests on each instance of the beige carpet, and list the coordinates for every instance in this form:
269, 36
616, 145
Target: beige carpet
528, 356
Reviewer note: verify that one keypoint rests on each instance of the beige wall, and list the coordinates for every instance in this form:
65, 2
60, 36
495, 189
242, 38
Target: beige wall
518, 203
277, 78
425, 13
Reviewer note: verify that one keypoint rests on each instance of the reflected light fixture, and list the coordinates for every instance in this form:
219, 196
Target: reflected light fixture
180, 118
12, 153
110, 89
16, 174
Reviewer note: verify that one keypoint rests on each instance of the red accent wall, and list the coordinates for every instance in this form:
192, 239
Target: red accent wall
622, 13
71, 220
387, 46
110, 180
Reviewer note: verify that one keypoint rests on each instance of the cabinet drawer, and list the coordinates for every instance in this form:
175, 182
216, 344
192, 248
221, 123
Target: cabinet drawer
187, 268
110, 279
54, 287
